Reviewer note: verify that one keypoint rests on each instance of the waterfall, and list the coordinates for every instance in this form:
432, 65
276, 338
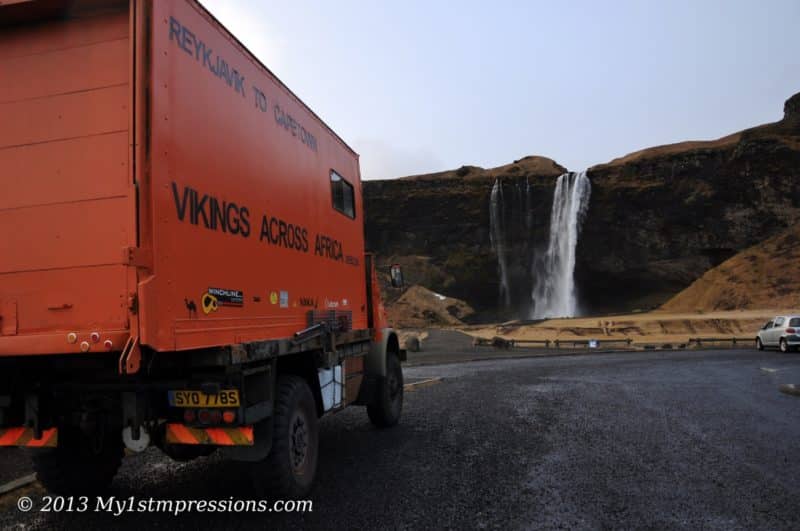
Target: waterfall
554, 284
497, 238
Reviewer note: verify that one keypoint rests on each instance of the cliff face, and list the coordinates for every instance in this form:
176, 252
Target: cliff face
791, 113
657, 220
661, 217
437, 227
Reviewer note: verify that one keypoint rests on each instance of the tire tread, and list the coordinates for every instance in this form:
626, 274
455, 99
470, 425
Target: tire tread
274, 475
379, 412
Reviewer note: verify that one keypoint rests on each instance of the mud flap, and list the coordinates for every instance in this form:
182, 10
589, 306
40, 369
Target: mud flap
262, 444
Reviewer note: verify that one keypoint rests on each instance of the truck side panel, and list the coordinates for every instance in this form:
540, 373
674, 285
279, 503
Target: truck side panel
240, 179
66, 207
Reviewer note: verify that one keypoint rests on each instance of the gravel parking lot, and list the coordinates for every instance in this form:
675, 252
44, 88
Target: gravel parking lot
644, 440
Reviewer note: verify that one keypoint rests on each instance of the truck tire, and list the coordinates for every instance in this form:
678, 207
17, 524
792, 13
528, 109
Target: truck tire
79, 465
289, 469
385, 411
759, 344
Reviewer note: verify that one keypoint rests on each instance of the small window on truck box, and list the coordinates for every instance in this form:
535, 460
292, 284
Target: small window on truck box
343, 195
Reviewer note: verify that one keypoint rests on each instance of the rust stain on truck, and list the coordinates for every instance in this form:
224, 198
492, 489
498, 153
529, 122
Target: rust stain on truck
174, 220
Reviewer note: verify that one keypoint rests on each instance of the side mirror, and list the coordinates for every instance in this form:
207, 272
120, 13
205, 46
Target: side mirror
396, 275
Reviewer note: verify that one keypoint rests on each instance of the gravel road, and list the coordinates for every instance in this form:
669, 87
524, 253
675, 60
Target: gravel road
634, 440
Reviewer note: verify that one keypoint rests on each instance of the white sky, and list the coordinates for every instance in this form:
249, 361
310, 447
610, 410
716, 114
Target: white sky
421, 86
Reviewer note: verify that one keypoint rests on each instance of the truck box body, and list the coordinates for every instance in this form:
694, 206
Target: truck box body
181, 250
160, 183
67, 204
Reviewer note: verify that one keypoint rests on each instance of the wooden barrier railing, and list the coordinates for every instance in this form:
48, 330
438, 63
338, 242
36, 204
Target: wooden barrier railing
503, 343
734, 341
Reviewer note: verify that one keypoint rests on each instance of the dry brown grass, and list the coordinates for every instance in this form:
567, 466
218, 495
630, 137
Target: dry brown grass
643, 328
420, 307
765, 275
672, 149
531, 165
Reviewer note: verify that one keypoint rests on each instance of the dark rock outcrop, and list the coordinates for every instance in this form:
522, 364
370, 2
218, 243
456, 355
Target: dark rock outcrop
437, 227
791, 112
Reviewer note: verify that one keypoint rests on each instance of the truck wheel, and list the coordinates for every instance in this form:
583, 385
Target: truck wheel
783, 346
388, 405
291, 465
79, 464
759, 344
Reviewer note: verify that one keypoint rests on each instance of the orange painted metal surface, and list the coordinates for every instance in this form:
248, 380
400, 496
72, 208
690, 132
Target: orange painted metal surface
160, 183
380, 321
226, 132
67, 209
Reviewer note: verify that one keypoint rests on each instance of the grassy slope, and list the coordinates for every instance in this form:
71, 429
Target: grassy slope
766, 275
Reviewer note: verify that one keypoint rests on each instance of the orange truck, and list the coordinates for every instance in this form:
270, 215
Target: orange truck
182, 256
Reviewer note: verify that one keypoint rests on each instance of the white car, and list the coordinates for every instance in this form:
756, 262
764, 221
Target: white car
782, 332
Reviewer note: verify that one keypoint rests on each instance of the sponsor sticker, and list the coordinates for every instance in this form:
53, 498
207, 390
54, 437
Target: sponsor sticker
216, 297
284, 299
227, 297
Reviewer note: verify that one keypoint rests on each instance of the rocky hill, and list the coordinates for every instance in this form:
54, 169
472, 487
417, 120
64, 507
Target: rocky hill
766, 275
661, 217
658, 219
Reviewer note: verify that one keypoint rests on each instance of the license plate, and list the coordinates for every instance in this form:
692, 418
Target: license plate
225, 398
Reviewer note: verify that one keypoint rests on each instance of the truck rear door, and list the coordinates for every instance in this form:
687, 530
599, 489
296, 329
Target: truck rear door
67, 206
